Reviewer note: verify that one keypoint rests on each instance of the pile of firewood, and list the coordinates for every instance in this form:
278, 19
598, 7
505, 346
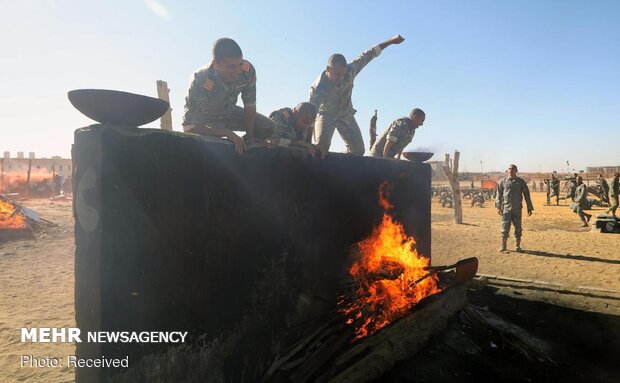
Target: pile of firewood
329, 354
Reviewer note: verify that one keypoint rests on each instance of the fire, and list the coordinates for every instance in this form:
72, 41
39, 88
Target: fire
385, 274
9, 218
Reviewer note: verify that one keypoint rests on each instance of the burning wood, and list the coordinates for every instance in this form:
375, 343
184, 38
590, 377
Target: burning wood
387, 269
16, 221
10, 217
384, 272
327, 354
390, 278
13, 224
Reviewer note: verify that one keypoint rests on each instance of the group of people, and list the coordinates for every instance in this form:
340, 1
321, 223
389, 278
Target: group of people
512, 190
211, 110
578, 193
211, 107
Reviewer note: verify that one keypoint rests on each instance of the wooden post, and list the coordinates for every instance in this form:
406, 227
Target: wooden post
373, 129
28, 178
53, 178
163, 93
451, 169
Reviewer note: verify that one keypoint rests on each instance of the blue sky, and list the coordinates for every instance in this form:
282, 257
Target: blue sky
536, 83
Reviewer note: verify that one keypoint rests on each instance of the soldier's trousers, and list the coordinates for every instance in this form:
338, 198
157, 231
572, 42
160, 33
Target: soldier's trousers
582, 215
554, 193
614, 205
605, 196
514, 218
351, 135
264, 127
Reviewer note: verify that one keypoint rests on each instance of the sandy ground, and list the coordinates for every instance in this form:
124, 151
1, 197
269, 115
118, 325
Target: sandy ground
36, 276
36, 290
559, 254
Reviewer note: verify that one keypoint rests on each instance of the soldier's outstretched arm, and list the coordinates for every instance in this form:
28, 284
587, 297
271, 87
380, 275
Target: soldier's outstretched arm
360, 62
397, 39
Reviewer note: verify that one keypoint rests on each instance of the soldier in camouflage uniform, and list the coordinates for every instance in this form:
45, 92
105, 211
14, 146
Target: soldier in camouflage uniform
398, 135
581, 201
294, 126
553, 189
615, 192
477, 199
331, 93
211, 104
604, 188
572, 187
510, 193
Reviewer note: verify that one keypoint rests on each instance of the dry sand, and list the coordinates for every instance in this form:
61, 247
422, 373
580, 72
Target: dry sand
36, 290
36, 277
559, 254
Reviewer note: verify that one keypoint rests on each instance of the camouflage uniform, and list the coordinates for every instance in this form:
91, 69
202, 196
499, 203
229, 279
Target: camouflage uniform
285, 132
400, 132
212, 102
581, 202
572, 188
615, 192
553, 190
604, 189
335, 109
510, 193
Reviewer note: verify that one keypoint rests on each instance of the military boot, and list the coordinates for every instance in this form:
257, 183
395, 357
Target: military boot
503, 246
518, 244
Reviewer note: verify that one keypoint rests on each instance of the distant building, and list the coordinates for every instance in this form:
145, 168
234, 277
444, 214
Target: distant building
603, 169
19, 165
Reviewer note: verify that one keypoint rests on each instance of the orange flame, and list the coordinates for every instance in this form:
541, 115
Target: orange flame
384, 192
9, 218
387, 267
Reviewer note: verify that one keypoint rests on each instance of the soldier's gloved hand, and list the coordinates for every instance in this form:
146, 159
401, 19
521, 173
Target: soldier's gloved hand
237, 142
529, 213
499, 211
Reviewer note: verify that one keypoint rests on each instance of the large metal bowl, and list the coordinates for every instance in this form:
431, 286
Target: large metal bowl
116, 107
417, 156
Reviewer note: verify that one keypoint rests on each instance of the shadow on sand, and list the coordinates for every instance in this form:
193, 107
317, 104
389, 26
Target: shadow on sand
573, 257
